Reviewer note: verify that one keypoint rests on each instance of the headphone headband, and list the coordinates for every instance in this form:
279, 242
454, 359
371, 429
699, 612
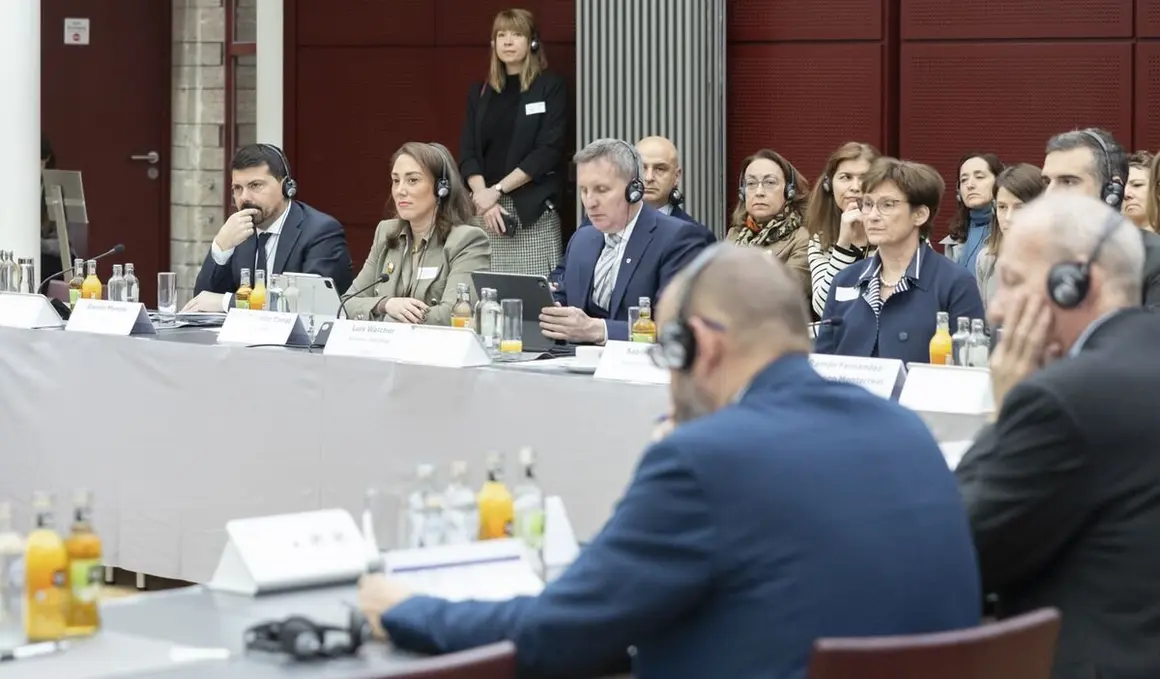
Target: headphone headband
634, 190
443, 183
1112, 191
289, 186
1068, 282
787, 169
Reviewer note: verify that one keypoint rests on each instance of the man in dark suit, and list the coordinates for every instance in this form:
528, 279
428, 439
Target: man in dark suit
1092, 162
270, 231
629, 250
782, 508
1063, 489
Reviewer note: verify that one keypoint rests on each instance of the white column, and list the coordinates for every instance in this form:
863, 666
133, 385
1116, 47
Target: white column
20, 133
269, 71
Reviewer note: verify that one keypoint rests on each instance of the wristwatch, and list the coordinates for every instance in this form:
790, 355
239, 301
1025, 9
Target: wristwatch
499, 187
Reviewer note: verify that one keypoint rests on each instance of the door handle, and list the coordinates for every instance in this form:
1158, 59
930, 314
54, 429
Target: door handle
152, 157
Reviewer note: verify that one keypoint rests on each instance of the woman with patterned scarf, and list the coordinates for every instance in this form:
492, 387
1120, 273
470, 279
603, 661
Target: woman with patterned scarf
772, 196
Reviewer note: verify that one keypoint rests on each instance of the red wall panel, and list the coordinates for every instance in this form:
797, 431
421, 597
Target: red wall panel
1020, 95
365, 22
977, 19
1148, 18
1147, 90
802, 117
790, 20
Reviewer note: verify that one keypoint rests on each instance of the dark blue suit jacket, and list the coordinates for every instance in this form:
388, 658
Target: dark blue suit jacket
310, 242
660, 246
807, 509
907, 322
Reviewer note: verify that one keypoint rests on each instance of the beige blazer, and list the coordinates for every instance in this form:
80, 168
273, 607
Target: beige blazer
430, 277
793, 252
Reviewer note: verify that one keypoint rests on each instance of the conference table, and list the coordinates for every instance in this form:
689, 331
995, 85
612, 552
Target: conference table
175, 435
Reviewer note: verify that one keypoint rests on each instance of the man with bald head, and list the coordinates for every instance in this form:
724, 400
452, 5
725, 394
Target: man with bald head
775, 513
1063, 489
662, 176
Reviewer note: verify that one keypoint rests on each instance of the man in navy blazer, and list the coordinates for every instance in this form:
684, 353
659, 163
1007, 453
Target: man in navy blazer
782, 508
293, 236
629, 250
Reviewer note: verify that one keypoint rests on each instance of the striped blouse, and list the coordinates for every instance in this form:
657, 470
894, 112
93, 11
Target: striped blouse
824, 266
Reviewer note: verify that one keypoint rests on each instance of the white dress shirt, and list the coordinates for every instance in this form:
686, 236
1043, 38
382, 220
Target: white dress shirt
621, 247
667, 209
222, 257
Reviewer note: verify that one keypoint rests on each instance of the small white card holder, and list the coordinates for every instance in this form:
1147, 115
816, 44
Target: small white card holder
955, 402
629, 362
290, 551
252, 327
106, 317
880, 376
439, 346
27, 311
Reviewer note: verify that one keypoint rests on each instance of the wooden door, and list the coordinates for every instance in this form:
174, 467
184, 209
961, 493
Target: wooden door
103, 103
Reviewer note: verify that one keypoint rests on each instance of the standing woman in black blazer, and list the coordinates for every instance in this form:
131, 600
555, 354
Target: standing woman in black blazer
511, 148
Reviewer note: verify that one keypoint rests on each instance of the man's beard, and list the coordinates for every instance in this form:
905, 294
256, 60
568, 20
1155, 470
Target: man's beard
260, 219
689, 401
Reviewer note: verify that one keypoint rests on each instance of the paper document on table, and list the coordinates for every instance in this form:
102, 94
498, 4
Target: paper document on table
490, 570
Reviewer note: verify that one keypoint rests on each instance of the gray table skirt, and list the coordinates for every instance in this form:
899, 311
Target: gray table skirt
175, 437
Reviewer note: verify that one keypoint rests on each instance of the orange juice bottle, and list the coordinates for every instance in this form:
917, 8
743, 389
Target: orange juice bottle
496, 508
258, 294
941, 345
242, 296
84, 570
45, 576
91, 288
461, 313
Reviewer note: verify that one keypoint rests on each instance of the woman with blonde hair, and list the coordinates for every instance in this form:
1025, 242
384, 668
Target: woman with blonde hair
428, 249
834, 219
1015, 186
771, 196
513, 146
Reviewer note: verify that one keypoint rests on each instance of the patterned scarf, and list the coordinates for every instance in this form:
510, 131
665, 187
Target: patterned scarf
777, 229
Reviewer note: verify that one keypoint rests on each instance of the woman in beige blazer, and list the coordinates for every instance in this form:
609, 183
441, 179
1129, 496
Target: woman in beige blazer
428, 249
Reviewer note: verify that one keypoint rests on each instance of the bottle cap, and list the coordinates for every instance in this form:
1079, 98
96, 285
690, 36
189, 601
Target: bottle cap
42, 500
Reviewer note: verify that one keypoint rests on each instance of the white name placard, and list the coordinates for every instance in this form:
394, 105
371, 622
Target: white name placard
629, 362
446, 347
22, 310
288, 551
489, 570
948, 389
106, 317
368, 339
880, 376
249, 326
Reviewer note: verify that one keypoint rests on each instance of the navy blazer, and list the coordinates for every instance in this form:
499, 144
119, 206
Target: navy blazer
908, 318
660, 246
806, 509
310, 242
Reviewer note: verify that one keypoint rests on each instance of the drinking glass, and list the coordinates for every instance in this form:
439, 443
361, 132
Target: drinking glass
633, 317
511, 342
167, 297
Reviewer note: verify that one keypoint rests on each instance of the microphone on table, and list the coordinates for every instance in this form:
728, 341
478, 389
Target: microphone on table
816, 328
116, 249
383, 278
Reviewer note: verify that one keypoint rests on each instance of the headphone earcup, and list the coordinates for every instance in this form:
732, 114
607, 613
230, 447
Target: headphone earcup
289, 187
442, 188
1113, 194
678, 345
1067, 284
675, 196
634, 192
826, 184
299, 637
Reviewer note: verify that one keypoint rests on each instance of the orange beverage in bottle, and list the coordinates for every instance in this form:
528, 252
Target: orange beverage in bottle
496, 506
258, 294
84, 571
45, 577
941, 345
91, 288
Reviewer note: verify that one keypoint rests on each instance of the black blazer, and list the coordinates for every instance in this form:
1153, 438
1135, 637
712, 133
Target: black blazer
538, 142
310, 242
1063, 493
1151, 269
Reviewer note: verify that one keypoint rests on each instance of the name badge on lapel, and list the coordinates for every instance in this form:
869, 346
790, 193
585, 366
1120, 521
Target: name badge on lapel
845, 294
534, 108
426, 273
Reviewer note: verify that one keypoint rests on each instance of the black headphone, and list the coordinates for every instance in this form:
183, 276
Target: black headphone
634, 191
790, 180
1112, 192
289, 186
678, 344
676, 197
534, 43
304, 639
1068, 282
442, 184
826, 186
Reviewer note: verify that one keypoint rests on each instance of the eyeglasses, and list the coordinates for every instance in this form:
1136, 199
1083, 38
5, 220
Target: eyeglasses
886, 206
769, 184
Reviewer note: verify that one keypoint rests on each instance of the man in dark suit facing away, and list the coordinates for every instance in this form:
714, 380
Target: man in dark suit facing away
1063, 490
783, 507
629, 250
270, 231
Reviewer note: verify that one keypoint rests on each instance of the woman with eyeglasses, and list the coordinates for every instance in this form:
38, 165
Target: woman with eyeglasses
772, 197
887, 306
